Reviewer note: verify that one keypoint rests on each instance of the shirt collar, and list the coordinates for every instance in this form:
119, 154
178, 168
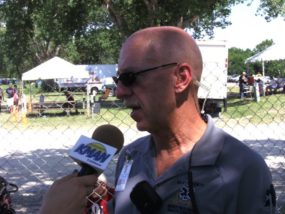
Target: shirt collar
207, 149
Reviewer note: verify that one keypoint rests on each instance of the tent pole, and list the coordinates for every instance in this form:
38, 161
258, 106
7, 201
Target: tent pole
263, 70
30, 102
88, 100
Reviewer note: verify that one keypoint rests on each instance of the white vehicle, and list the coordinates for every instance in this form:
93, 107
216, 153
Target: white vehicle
101, 85
102, 76
71, 84
212, 92
95, 85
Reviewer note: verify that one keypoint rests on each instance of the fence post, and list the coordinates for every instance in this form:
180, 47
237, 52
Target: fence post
256, 92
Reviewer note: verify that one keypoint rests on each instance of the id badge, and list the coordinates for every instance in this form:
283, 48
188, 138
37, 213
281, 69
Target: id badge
124, 176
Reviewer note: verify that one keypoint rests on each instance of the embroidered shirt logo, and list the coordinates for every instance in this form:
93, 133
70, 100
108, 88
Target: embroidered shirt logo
184, 193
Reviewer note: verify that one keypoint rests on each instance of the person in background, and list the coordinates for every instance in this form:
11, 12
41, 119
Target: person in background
242, 84
93, 96
251, 80
260, 83
24, 102
70, 102
271, 87
1, 98
186, 164
41, 104
42, 100
16, 99
10, 91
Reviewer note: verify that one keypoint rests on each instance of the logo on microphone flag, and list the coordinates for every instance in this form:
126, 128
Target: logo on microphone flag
92, 152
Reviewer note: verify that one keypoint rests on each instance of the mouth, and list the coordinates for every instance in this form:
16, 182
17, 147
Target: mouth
132, 106
135, 109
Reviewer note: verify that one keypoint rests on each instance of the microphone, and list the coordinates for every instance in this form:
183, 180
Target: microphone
94, 154
145, 198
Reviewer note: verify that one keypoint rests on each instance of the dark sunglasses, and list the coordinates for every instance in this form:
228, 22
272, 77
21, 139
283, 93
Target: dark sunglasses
129, 78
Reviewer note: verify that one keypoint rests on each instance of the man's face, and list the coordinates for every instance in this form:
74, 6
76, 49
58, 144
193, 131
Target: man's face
151, 96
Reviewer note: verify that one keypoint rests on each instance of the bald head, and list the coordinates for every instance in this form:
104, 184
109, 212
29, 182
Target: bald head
166, 45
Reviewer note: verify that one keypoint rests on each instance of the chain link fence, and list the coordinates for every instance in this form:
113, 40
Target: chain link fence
37, 135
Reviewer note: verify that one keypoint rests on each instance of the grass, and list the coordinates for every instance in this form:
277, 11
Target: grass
269, 109
59, 120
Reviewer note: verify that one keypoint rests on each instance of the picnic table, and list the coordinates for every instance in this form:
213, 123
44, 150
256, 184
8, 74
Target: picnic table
41, 107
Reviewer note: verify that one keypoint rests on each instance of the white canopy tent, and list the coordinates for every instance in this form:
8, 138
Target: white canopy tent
55, 68
273, 52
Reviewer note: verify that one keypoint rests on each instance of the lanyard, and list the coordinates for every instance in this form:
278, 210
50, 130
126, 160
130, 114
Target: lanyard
191, 186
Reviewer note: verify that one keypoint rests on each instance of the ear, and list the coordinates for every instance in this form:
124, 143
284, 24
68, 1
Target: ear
183, 77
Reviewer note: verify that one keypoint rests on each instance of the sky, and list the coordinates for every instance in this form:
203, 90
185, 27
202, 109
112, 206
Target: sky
248, 30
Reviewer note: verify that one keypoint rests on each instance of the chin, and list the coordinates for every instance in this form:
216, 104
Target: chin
141, 127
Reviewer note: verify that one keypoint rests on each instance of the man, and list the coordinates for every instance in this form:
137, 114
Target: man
272, 86
16, 99
188, 165
10, 91
243, 80
1, 98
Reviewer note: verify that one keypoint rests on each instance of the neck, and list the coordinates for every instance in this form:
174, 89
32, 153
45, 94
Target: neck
179, 139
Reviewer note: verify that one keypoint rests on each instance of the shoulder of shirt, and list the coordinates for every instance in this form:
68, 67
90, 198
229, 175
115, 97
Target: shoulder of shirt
234, 148
140, 145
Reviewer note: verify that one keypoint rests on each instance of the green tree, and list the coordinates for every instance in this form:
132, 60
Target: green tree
237, 59
257, 66
38, 30
91, 31
201, 16
272, 68
271, 9
275, 68
263, 45
238, 56
15, 42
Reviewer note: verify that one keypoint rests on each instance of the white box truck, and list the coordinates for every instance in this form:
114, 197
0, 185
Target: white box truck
212, 93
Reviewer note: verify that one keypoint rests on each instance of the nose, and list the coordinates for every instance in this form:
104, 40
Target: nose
122, 91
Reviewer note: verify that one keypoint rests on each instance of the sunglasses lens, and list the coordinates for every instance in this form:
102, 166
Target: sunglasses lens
115, 79
126, 78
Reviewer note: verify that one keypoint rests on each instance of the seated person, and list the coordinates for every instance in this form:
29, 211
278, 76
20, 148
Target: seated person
70, 101
272, 87
281, 84
105, 94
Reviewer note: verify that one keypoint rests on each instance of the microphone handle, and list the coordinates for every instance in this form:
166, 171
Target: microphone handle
87, 170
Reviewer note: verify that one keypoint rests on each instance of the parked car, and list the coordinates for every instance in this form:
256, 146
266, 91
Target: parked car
233, 78
6, 81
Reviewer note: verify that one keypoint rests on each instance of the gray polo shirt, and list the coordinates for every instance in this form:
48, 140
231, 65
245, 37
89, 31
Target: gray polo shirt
228, 177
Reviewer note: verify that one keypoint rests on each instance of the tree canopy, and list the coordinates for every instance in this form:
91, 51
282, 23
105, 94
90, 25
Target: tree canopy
91, 31
238, 56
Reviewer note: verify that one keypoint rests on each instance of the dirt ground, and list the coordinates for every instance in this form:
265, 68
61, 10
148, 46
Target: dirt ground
34, 158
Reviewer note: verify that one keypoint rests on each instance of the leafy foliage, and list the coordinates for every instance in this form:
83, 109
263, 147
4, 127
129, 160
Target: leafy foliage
201, 16
238, 56
91, 31
236, 60
263, 45
271, 9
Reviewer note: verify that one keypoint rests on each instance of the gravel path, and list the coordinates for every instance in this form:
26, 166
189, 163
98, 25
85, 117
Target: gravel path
34, 158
